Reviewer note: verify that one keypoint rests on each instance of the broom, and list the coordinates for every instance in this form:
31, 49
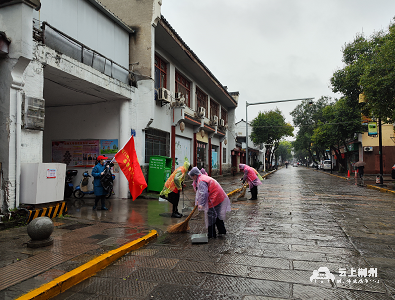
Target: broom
243, 191
184, 225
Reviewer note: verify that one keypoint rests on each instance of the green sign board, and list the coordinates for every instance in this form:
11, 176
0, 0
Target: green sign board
372, 128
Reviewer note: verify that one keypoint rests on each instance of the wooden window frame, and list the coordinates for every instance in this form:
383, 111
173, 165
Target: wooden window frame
224, 115
201, 100
161, 65
214, 106
186, 84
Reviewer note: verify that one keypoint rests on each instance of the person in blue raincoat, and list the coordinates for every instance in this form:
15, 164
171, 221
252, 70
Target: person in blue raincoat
98, 189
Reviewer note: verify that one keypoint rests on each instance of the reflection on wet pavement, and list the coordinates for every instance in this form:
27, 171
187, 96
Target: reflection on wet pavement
303, 220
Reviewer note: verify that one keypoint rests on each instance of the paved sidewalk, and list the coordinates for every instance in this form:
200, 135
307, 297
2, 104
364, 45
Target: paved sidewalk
276, 242
80, 237
76, 242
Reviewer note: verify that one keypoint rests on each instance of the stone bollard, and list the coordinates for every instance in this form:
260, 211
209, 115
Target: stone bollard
40, 230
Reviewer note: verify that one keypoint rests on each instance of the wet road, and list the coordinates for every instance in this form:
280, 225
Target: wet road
303, 220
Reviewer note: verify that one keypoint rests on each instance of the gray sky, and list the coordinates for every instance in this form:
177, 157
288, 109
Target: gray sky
274, 49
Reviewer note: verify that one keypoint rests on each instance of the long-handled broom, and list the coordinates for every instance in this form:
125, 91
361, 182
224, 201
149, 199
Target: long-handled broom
184, 225
243, 191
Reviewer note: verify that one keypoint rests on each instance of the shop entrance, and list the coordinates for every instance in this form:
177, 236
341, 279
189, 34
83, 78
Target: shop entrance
201, 155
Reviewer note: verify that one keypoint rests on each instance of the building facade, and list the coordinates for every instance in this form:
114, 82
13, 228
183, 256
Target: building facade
81, 77
188, 113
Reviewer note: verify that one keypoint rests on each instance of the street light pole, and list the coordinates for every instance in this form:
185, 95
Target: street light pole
268, 102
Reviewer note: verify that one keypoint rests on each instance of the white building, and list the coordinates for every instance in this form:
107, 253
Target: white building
168, 70
81, 81
64, 87
254, 151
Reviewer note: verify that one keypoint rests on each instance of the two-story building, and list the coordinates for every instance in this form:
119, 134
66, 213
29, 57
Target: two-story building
185, 111
78, 78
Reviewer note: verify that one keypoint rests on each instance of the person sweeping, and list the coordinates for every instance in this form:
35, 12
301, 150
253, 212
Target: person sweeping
253, 178
212, 199
173, 186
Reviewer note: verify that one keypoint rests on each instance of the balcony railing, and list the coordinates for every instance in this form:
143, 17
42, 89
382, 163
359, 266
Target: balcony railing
61, 42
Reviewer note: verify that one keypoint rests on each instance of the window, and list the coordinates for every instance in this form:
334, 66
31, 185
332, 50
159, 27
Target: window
224, 115
201, 100
157, 142
224, 155
214, 109
160, 73
183, 86
214, 157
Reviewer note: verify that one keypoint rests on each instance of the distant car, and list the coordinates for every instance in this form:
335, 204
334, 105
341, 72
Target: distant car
295, 164
327, 164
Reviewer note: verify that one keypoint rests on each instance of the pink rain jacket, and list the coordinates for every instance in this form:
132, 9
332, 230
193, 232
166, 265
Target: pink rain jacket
215, 192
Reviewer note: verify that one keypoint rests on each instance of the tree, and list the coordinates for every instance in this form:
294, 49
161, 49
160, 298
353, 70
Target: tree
306, 116
369, 69
378, 78
339, 124
269, 127
284, 150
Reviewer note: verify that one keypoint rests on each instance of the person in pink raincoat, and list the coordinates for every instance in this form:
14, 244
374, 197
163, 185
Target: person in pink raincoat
203, 171
212, 199
253, 178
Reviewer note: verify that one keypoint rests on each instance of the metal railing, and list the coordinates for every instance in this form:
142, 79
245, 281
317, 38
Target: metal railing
65, 44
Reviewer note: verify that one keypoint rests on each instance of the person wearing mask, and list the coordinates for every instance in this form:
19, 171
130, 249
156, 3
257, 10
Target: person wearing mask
97, 172
212, 199
253, 178
173, 186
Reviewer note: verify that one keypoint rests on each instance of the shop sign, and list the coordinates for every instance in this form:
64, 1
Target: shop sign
372, 128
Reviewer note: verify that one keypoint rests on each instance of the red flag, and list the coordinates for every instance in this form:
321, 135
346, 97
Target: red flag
127, 160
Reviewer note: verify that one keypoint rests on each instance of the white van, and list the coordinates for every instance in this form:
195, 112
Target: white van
327, 164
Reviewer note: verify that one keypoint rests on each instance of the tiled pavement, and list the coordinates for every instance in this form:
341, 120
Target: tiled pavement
303, 220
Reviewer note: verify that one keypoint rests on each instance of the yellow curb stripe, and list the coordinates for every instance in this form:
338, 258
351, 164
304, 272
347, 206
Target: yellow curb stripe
369, 186
68, 280
372, 187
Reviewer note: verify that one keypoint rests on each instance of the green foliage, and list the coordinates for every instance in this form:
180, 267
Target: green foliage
369, 69
324, 124
269, 127
307, 116
378, 78
284, 150
343, 122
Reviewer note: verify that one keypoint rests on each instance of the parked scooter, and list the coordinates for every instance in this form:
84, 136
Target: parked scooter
69, 187
83, 189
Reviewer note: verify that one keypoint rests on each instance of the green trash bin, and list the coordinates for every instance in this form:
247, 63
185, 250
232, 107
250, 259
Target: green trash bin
159, 171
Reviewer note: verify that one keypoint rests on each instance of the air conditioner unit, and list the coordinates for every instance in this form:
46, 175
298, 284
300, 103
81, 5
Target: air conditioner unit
178, 96
368, 149
222, 122
164, 95
215, 121
201, 112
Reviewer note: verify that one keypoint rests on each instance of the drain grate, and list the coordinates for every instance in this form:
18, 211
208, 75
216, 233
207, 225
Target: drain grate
76, 226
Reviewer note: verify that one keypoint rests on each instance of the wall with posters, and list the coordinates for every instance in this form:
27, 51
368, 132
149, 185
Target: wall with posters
183, 149
76, 135
82, 153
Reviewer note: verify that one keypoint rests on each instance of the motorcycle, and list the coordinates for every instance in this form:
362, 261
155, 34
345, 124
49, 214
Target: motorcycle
83, 189
69, 187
